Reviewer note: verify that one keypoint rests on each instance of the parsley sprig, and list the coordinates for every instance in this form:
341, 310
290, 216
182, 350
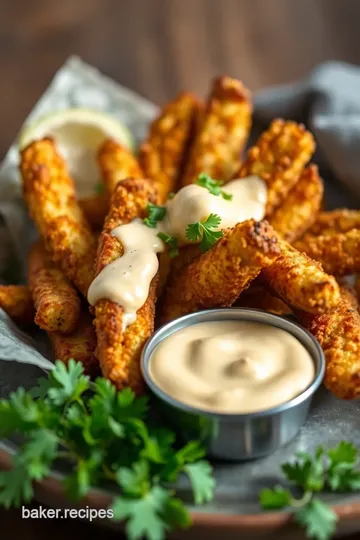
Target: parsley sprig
172, 242
213, 186
155, 213
332, 470
105, 436
203, 231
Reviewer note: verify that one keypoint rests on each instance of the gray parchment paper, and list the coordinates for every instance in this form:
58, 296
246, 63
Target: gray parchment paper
329, 102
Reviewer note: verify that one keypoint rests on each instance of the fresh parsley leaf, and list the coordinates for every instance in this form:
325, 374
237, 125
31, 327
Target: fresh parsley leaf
203, 484
176, 515
341, 475
68, 382
172, 243
143, 516
15, 485
99, 188
39, 453
213, 186
306, 471
318, 520
272, 499
155, 213
203, 231
134, 481
345, 452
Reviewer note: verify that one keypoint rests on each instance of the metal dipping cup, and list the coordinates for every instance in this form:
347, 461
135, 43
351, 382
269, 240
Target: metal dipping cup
235, 437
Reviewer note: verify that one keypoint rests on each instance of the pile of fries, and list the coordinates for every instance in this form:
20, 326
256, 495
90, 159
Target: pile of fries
291, 262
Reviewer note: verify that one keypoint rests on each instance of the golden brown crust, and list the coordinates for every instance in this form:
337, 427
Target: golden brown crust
298, 211
224, 131
56, 301
79, 345
118, 351
217, 277
258, 297
95, 208
279, 157
301, 282
50, 195
339, 253
163, 154
338, 333
117, 163
336, 221
16, 301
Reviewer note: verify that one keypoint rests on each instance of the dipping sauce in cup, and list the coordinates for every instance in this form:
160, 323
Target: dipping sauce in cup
232, 366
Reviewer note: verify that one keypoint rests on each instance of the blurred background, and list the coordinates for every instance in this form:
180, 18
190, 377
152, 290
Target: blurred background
158, 47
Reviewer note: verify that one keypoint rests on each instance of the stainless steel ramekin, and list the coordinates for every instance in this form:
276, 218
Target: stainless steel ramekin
235, 437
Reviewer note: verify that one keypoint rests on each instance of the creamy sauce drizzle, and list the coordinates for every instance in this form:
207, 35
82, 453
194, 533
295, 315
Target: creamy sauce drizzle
232, 366
126, 280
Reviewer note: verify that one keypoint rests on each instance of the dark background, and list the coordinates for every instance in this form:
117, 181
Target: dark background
158, 47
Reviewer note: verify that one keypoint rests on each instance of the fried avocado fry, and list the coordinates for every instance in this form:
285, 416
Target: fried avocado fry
217, 277
119, 351
50, 195
16, 301
336, 221
79, 345
279, 157
298, 211
117, 163
224, 131
338, 253
95, 209
57, 303
258, 297
301, 282
162, 156
338, 333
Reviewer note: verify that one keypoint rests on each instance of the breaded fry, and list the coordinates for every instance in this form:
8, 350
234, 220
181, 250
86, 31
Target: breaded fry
50, 195
223, 134
301, 282
357, 287
336, 221
95, 209
162, 156
338, 333
79, 345
338, 253
119, 352
298, 211
117, 163
258, 297
16, 301
279, 157
217, 277
348, 293
57, 303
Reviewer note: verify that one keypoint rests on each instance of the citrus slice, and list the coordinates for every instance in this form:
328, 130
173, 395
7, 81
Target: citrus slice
78, 133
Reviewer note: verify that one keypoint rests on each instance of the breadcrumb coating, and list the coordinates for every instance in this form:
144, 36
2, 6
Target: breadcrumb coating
116, 163
16, 301
56, 301
278, 157
217, 277
95, 208
162, 155
338, 333
298, 211
339, 253
79, 345
119, 351
258, 297
336, 221
301, 282
50, 195
224, 131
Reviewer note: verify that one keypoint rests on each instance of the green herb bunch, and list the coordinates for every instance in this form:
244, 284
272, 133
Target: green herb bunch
105, 436
330, 470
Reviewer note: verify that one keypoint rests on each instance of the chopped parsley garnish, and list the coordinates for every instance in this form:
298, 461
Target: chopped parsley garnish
172, 242
155, 213
213, 186
203, 231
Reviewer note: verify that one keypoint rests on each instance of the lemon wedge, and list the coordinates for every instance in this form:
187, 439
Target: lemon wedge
78, 133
